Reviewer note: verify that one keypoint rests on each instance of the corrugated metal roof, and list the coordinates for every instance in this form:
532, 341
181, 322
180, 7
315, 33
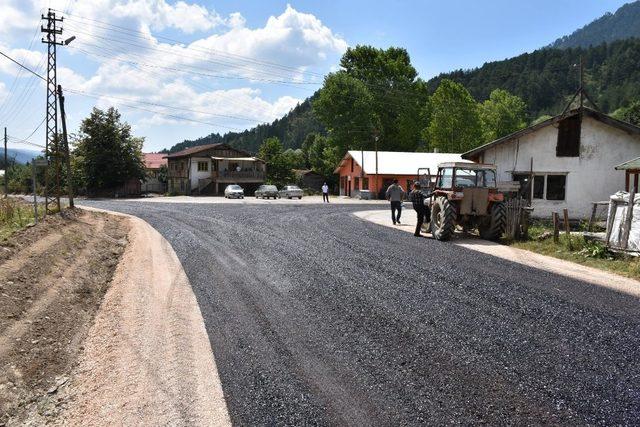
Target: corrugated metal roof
399, 162
631, 164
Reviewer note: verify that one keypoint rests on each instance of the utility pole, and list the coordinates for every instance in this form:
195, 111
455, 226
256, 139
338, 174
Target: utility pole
52, 146
65, 141
376, 148
581, 83
6, 166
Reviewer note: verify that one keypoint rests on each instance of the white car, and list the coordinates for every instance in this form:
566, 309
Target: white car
291, 191
233, 192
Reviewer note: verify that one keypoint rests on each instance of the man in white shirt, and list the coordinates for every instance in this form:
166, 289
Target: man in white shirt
325, 193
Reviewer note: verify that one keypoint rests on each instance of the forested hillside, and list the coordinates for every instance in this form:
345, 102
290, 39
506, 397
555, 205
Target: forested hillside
291, 130
545, 78
623, 24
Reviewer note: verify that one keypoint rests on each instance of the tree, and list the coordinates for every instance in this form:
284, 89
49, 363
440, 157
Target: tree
106, 152
502, 114
455, 125
279, 164
324, 157
345, 106
630, 114
541, 119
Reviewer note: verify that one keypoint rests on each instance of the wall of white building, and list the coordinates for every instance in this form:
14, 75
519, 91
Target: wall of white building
590, 177
197, 175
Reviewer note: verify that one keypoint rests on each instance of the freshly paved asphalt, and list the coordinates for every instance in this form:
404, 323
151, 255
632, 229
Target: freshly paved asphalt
317, 317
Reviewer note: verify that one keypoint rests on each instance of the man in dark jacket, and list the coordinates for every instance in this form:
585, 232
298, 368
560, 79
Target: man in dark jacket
395, 194
417, 199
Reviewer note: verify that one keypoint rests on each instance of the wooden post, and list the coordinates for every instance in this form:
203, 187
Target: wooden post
626, 230
592, 219
567, 227
611, 216
556, 227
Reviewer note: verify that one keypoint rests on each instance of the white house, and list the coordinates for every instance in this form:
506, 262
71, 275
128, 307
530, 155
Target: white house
572, 157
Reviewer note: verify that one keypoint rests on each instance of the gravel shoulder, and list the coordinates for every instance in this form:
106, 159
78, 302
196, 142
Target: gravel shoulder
147, 359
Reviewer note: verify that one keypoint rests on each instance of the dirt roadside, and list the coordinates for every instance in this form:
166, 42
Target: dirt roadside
554, 265
99, 326
147, 358
53, 278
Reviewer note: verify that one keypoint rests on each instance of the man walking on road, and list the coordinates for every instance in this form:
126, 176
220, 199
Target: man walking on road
395, 194
417, 199
325, 193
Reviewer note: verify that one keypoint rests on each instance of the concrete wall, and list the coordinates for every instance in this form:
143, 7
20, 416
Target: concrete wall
590, 177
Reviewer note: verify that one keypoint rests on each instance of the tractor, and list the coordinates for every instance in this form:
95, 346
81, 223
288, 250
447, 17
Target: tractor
465, 195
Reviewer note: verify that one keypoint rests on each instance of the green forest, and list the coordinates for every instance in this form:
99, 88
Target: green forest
544, 80
377, 99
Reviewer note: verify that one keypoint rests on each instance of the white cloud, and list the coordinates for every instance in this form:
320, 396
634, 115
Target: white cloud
127, 64
159, 14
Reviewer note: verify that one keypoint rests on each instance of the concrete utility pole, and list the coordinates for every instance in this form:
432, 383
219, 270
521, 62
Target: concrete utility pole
6, 166
65, 141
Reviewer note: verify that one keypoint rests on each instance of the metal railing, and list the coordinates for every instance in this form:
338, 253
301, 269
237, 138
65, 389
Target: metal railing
239, 175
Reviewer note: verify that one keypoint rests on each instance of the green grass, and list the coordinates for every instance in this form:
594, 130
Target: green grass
15, 215
579, 250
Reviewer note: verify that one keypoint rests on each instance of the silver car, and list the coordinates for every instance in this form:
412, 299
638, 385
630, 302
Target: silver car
291, 191
233, 192
266, 192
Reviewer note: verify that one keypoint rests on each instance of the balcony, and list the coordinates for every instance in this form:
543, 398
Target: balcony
233, 176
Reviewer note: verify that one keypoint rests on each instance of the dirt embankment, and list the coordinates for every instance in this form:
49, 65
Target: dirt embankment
53, 278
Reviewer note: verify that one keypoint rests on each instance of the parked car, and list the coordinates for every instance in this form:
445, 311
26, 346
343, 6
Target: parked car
267, 191
233, 192
291, 191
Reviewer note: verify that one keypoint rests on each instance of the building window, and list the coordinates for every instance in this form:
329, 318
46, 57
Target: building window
569, 137
356, 183
203, 166
365, 183
556, 186
352, 164
538, 187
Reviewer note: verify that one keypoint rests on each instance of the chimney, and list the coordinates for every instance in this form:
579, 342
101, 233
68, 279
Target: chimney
435, 150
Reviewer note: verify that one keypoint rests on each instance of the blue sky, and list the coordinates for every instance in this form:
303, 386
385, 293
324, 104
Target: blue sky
242, 63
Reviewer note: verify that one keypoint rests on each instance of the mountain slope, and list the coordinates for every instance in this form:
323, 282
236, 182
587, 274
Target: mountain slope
623, 24
292, 129
547, 77
19, 155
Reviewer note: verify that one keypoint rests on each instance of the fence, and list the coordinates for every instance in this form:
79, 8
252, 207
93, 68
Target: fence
518, 212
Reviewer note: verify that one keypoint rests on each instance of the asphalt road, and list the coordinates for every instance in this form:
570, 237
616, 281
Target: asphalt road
317, 317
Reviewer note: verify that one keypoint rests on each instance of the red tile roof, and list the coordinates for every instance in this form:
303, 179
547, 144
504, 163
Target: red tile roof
154, 160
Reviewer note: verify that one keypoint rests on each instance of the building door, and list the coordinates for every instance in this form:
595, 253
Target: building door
385, 184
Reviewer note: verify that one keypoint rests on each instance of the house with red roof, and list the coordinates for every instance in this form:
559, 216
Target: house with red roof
153, 162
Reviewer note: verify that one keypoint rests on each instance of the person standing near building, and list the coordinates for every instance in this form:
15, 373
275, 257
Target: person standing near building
395, 194
417, 200
325, 193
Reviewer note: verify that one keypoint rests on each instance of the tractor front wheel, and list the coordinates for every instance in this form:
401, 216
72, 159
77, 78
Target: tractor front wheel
443, 219
493, 228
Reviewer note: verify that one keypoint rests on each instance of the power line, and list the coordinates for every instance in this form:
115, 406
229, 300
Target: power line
22, 66
140, 34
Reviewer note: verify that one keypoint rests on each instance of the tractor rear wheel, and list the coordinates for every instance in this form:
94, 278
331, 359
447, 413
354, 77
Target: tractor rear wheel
443, 219
494, 228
